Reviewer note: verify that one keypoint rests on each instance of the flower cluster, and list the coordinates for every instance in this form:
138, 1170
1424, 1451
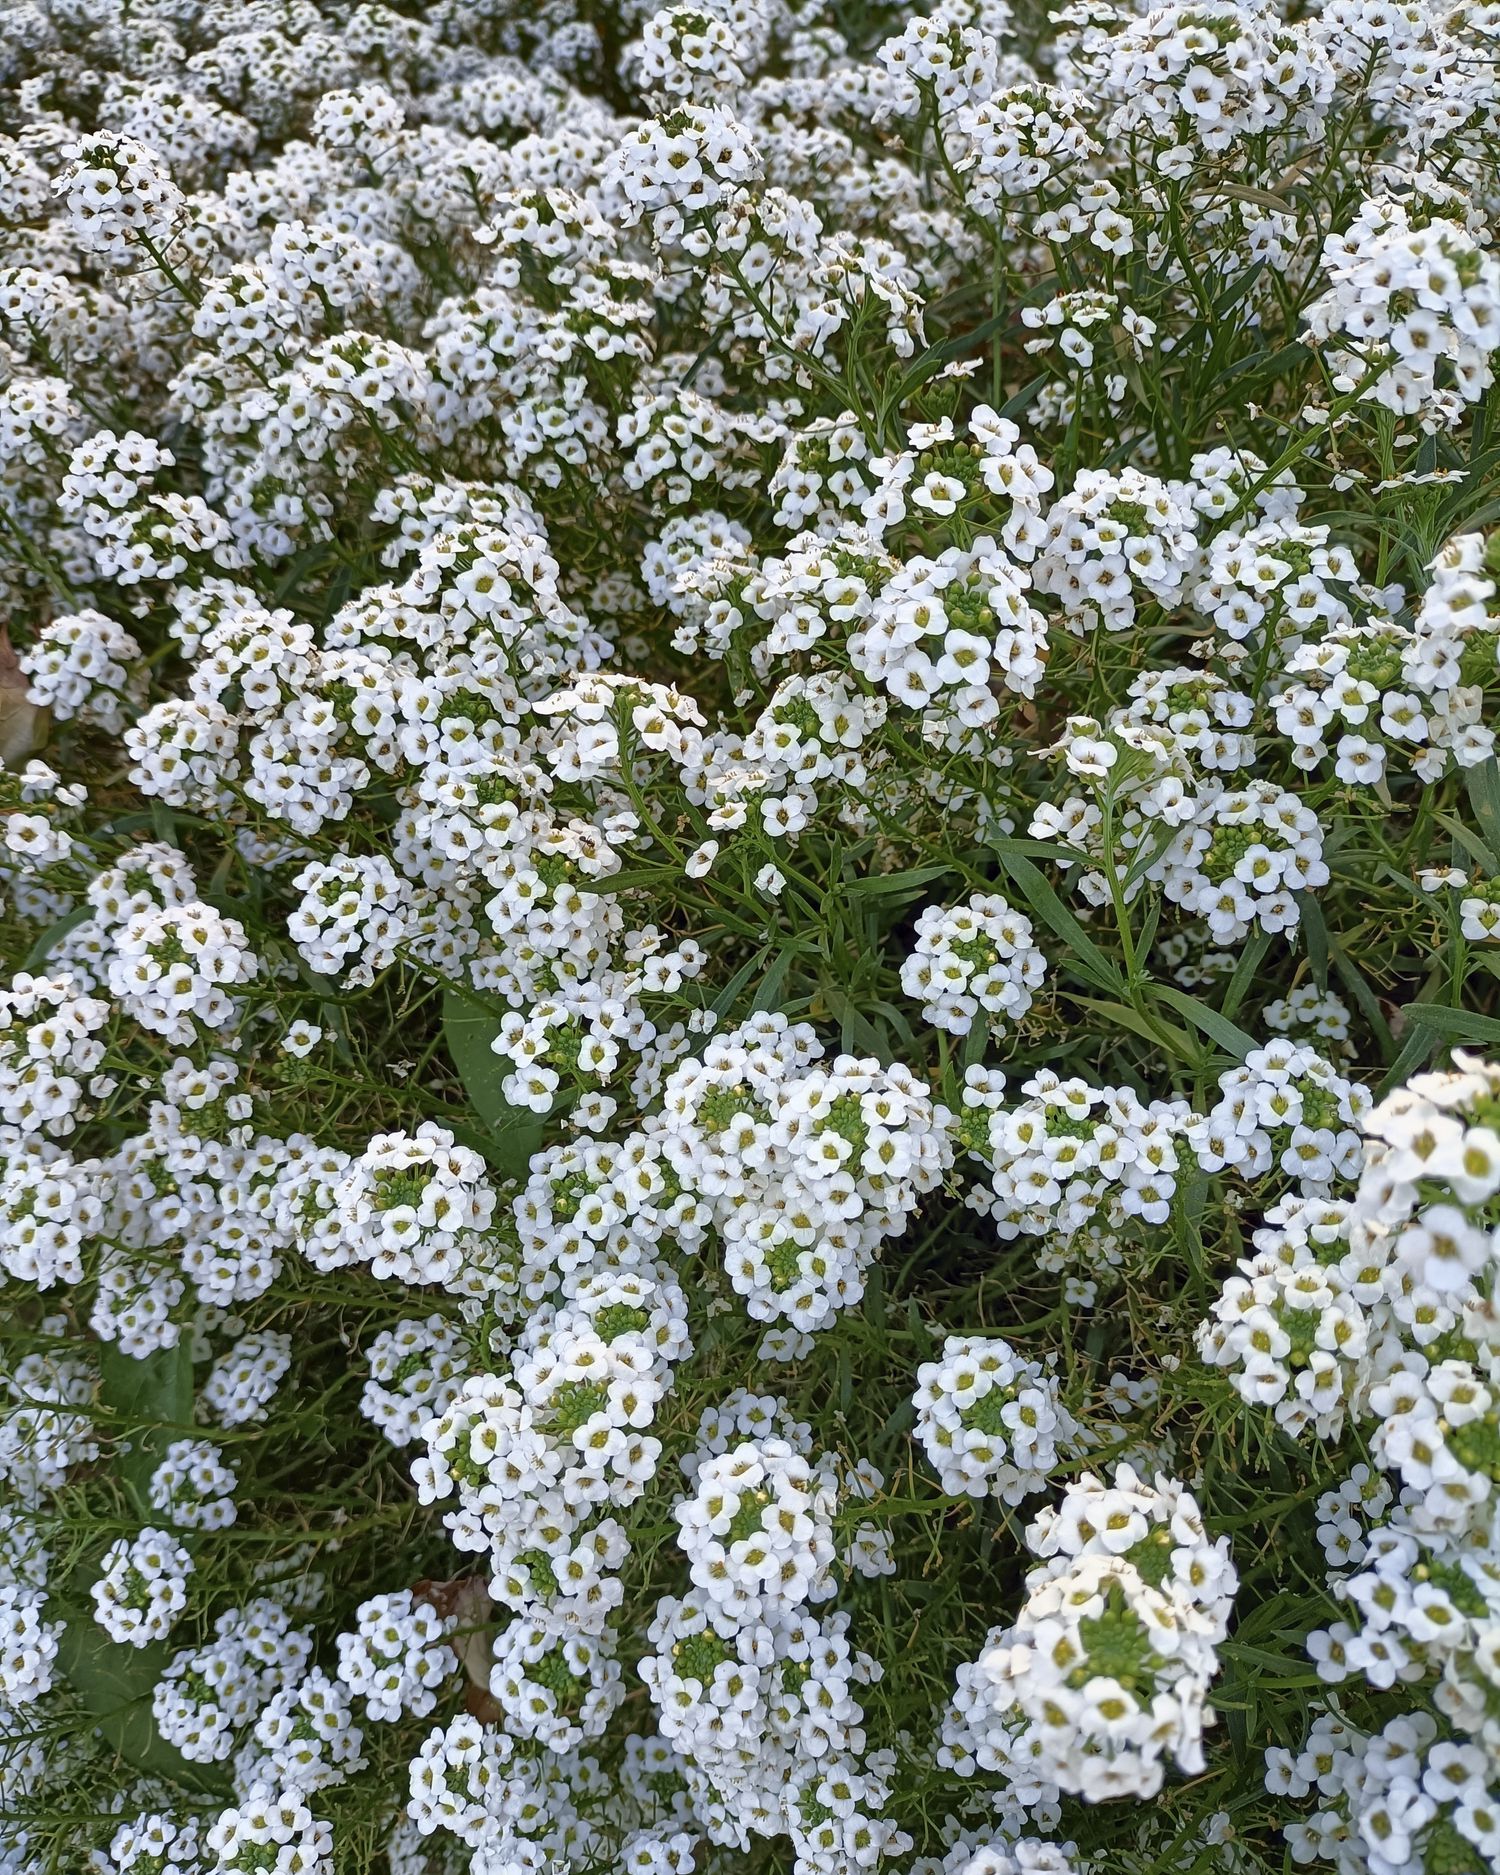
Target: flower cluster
1287, 1109
143, 1588
1104, 1676
972, 958
990, 1424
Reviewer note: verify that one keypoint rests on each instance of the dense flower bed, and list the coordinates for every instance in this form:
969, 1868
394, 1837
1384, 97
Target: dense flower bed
750, 864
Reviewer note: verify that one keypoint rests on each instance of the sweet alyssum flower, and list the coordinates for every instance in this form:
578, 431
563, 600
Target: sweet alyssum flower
747, 810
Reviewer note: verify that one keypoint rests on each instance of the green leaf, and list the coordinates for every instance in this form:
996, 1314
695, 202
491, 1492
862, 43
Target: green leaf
1359, 988
1471, 843
1270, 365
1315, 936
856, 1032
1455, 1025
514, 1133
1238, 288
1418, 1048
1483, 783
1187, 1221
1084, 954
1022, 400
768, 990
884, 884
1146, 856
1234, 1041
735, 987
114, 1683
1007, 844
1153, 1029
1244, 972
55, 932
153, 1402
636, 878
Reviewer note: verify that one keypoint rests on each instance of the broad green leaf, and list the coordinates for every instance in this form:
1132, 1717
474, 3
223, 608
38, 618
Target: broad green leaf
114, 1685
514, 1133
152, 1400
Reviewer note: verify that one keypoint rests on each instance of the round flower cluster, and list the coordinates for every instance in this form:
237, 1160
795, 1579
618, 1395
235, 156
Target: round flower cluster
805, 1169
1235, 856
28, 1645
991, 1424
1069, 1155
1452, 655
243, 1380
271, 1830
157, 1842
119, 199
1288, 1108
1399, 1792
1107, 1667
555, 1685
208, 1697
942, 632
971, 958
193, 1487
396, 1656
1293, 1328
50, 1208
1275, 578
1411, 312
49, 1041
1209, 76
1244, 858
416, 1370
308, 1735
410, 1206
1113, 542
84, 666
171, 969
142, 1588
757, 1531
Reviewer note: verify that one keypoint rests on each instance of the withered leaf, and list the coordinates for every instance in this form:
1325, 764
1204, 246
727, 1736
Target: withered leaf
465, 1601
23, 724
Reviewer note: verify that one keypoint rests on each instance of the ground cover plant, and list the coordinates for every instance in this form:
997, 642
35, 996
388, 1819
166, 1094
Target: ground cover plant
751, 903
